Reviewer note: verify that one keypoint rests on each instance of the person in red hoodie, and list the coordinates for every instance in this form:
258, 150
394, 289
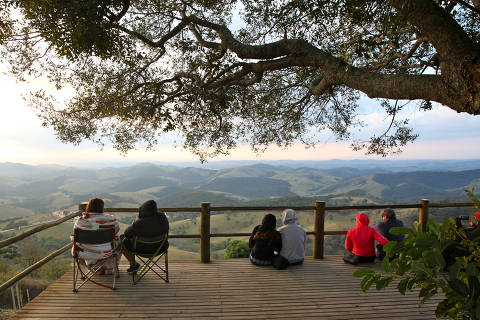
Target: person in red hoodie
361, 240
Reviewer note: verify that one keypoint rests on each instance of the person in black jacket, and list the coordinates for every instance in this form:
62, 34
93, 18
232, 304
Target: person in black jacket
149, 223
264, 241
389, 220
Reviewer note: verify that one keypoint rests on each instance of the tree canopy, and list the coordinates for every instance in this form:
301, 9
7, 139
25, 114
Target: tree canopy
227, 72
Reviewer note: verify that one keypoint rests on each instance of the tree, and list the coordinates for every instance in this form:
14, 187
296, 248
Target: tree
237, 249
288, 70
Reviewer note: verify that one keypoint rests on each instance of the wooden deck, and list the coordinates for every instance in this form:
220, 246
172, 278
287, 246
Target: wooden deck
230, 289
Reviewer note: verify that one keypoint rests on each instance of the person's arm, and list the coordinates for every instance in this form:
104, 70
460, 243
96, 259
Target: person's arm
381, 239
278, 243
348, 242
129, 232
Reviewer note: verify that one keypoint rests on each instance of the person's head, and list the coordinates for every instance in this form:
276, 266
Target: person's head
269, 222
362, 219
147, 209
95, 205
289, 216
388, 214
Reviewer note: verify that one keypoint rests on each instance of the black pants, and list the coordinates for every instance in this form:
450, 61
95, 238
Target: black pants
366, 259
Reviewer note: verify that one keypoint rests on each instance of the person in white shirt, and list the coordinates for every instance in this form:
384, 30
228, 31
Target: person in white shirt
293, 238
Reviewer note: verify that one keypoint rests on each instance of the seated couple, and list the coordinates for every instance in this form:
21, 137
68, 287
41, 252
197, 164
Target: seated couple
149, 223
360, 241
266, 242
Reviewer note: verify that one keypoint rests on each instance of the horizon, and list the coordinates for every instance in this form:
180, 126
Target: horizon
444, 135
216, 164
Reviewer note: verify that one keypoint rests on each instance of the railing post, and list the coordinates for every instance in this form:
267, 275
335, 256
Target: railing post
14, 305
205, 232
319, 229
423, 214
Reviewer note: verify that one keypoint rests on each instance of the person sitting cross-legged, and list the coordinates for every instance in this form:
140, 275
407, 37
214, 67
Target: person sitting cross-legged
264, 241
149, 223
360, 241
293, 238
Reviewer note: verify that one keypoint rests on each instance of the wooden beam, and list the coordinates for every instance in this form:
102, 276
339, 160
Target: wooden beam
39, 228
34, 266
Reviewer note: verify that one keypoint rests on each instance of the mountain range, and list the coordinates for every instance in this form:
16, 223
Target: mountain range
26, 189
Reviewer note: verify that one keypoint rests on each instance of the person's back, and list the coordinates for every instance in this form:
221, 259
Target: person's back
361, 239
389, 221
384, 229
293, 238
264, 241
149, 224
93, 219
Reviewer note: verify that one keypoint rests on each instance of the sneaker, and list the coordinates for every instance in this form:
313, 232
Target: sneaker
133, 269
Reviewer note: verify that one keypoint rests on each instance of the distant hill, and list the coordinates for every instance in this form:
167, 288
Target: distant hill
253, 188
39, 189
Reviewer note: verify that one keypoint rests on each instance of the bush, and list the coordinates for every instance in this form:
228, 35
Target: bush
422, 262
237, 249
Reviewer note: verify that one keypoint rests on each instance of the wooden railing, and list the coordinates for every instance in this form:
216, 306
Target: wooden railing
319, 210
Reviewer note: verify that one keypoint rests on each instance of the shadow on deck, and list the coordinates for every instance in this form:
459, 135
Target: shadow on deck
231, 289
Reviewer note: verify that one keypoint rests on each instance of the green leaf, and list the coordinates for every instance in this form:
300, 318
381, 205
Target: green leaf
477, 312
386, 264
459, 287
362, 272
367, 282
401, 230
472, 269
474, 285
419, 268
454, 270
426, 242
402, 286
440, 261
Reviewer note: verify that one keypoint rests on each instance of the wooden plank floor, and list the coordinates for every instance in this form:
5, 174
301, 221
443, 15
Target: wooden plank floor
230, 289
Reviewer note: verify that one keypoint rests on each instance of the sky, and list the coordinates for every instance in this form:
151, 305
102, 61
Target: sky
444, 134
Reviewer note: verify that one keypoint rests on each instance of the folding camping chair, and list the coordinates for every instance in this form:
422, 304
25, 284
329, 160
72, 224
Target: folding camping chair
94, 237
149, 250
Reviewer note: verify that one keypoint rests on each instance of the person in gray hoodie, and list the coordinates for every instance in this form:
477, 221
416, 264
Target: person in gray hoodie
293, 238
149, 223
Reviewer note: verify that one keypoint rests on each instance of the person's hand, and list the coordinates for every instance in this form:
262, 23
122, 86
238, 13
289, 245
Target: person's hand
472, 223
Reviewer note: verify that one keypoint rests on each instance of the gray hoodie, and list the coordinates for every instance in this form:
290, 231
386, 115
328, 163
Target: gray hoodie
293, 237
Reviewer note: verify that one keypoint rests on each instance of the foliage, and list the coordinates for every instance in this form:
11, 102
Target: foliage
237, 249
9, 252
426, 261
262, 72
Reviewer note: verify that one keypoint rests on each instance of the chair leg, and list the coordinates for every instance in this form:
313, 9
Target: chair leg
74, 277
166, 265
114, 271
149, 265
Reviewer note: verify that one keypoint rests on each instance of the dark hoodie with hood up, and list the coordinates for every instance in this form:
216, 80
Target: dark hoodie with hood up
361, 239
149, 223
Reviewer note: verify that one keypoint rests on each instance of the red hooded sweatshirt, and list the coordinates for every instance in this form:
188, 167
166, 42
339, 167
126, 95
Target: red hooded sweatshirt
361, 239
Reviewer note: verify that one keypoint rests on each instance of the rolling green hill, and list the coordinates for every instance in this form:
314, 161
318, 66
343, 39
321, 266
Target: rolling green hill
40, 189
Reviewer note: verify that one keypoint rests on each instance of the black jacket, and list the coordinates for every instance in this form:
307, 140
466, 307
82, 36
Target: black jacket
263, 243
149, 223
